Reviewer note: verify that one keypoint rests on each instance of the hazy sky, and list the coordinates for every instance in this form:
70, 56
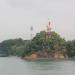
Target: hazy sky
16, 17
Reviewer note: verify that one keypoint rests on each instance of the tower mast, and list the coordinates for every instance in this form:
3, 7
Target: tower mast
31, 29
49, 28
45, 41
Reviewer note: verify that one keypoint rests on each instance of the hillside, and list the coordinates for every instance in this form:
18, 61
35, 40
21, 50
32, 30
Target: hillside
40, 46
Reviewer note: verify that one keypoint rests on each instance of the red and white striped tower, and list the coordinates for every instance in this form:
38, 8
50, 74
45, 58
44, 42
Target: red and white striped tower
45, 41
49, 28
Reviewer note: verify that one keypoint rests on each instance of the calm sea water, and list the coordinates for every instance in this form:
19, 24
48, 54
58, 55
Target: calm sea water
17, 66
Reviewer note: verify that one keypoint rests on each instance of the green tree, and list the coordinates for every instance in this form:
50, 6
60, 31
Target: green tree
70, 46
52, 42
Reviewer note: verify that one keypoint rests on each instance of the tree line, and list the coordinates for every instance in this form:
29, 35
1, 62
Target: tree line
53, 42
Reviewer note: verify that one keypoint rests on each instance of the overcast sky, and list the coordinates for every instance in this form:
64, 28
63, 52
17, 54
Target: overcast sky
16, 17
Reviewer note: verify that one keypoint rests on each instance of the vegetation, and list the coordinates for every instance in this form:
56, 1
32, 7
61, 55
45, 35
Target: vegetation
70, 47
41, 42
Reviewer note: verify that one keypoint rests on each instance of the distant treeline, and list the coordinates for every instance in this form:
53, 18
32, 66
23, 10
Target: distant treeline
41, 42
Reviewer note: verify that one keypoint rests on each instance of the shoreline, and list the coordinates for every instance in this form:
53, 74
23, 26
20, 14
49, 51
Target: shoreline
48, 59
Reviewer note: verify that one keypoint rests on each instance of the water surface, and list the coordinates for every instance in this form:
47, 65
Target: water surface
17, 66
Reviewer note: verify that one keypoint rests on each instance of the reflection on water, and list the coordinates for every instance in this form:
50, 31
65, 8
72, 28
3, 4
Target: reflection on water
16, 66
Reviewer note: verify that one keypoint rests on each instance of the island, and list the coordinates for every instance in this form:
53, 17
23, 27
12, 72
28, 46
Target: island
42, 46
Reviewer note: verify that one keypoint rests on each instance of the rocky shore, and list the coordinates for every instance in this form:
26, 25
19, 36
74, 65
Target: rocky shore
51, 56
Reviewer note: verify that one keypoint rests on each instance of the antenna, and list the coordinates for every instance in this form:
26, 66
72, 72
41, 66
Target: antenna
49, 27
48, 33
31, 29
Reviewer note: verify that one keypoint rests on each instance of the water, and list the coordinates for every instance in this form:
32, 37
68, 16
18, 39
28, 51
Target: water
17, 66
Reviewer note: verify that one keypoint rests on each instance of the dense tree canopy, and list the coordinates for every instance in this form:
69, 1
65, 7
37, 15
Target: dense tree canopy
52, 42
40, 42
70, 46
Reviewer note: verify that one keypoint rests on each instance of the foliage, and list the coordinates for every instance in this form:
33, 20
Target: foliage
70, 46
51, 42
42, 41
